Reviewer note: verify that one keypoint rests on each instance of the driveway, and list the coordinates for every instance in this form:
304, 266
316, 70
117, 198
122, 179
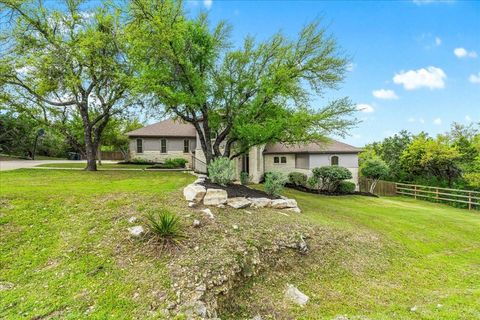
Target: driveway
19, 164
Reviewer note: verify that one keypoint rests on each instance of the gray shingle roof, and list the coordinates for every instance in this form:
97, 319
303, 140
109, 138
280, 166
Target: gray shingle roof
166, 128
332, 146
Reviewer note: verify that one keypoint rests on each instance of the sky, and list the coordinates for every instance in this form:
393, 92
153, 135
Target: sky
415, 65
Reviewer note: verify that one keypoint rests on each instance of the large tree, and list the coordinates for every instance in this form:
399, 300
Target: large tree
64, 57
237, 97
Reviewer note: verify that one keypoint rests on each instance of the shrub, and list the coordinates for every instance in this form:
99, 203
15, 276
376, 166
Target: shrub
346, 187
221, 170
166, 225
274, 182
330, 176
374, 168
137, 161
175, 163
297, 178
313, 183
244, 178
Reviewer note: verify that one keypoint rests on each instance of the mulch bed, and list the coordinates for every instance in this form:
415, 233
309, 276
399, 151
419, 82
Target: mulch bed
237, 190
315, 191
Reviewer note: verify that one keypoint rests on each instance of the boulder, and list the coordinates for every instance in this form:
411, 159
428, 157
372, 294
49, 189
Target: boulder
296, 210
295, 295
136, 231
283, 203
214, 197
238, 203
260, 202
209, 213
194, 192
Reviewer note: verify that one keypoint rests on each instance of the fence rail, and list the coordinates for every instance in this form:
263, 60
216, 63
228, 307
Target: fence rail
465, 198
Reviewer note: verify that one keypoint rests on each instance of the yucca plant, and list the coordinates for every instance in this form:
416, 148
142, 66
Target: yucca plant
166, 225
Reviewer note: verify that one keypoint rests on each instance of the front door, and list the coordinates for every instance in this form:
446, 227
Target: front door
245, 165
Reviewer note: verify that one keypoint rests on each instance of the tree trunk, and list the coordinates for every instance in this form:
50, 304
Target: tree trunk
373, 185
99, 153
91, 154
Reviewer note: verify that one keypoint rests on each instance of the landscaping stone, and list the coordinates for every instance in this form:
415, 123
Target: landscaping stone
209, 213
196, 223
260, 202
238, 203
283, 203
295, 295
214, 197
296, 210
221, 206
235, 227
132, 219
136, 231
191, 204
194, 192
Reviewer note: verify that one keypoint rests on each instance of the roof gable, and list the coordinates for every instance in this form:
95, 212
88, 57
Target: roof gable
332, 146
166, 128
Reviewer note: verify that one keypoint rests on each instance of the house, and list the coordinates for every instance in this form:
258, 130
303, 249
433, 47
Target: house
173, 138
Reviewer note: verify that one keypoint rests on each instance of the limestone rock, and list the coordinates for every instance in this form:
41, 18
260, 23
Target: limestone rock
136, 231
191, 204
214, 197
296, 210
194, 192
132, 219
295, 295
283, 203
209, 213
260, 202
238, 203
196, 223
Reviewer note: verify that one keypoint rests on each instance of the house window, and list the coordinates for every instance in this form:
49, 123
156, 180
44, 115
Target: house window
334, 161
279, 160
139, 146
163, 145
186, 146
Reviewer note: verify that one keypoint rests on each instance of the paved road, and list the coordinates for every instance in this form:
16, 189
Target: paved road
19, 164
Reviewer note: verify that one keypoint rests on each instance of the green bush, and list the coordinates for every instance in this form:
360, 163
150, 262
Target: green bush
137, 161
346, 187
297, 178
166, 225
175, 163
329, 177
274, 182
244, 178
222, 171
313, 183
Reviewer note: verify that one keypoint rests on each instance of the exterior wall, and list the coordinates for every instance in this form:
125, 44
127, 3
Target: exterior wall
152, 148
283, 167
347, 160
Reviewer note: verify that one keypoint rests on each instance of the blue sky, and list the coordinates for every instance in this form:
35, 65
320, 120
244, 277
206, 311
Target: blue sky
415, 64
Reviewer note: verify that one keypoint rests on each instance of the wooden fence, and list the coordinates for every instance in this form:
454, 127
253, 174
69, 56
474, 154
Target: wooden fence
461, 198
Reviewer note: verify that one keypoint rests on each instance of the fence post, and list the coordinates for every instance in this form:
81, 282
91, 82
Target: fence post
436, 193
415, 188
469, 201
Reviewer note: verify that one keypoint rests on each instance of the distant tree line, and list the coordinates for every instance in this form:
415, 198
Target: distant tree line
447, 160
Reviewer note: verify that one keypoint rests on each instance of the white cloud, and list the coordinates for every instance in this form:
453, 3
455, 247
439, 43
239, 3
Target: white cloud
474, 78
437, 121
464, 53
208, 3
384, 94
438, 41
431, 77
363, 107
468, 119
411, 119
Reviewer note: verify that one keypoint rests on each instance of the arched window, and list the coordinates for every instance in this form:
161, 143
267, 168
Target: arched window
334, 161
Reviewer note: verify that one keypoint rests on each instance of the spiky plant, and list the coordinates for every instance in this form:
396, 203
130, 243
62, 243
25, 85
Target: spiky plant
166, 225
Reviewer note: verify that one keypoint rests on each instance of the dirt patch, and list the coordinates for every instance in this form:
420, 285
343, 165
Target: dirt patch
238, 190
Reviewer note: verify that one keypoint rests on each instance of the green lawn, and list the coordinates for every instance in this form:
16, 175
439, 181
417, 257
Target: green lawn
65, 253
82, 165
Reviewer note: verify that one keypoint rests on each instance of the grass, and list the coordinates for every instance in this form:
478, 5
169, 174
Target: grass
64, 250
82, 165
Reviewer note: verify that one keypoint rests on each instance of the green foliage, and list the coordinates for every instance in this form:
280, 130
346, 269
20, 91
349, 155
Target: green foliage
175, 163
166, 225
374, 168
255, 93
297, 178
244, 178
428, 157
313, 182
274, 183
222, 171
346, 187
329, 177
